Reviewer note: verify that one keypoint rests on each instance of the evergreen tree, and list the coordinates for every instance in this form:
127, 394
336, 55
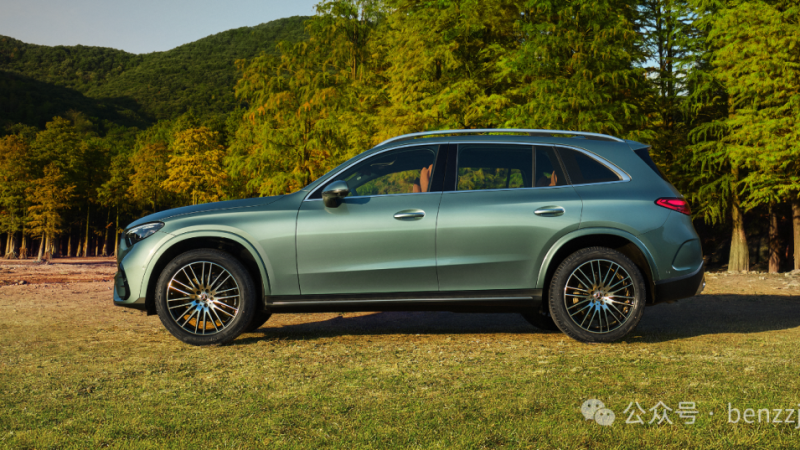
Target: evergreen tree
579, 64
758, 61
196, 166
48, 196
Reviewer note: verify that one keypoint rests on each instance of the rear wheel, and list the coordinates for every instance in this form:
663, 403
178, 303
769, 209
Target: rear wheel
597, 295
205, 297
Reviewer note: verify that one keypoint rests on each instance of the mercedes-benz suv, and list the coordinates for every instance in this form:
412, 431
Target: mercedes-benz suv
577, 231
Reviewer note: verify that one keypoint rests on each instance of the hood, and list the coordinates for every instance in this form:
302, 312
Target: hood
216, 206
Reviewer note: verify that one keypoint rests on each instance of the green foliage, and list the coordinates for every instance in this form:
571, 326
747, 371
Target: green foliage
39, 82
444, 64
294, 131
758, 61
195, 168
578, 67
713, 85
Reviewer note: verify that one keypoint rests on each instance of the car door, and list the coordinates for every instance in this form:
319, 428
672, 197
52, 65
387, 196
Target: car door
503, 206
381, 238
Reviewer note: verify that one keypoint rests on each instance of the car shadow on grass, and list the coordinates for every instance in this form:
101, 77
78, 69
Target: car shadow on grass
696, 316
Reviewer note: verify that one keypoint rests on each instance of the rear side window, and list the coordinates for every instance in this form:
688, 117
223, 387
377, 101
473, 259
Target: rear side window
487, 166
583, 169
644, 153
547, 169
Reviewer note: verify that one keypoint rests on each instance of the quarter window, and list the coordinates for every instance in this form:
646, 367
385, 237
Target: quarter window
583, 169
482, 166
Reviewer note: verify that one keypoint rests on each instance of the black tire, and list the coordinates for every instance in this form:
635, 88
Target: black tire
611, 295
259, 318
224, 295
541, 319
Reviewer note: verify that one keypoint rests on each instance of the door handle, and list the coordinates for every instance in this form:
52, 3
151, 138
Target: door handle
549, 211
410, 214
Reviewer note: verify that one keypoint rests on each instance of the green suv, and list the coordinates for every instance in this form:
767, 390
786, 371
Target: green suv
577, 231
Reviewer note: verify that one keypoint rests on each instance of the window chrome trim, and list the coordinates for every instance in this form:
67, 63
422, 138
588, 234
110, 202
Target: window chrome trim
624, 177
378, 195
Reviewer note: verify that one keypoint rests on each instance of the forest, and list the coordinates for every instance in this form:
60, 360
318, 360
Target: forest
93, 138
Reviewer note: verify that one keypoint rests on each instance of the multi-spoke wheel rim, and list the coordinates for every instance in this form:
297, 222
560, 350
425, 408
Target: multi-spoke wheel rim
599, 296
203, 298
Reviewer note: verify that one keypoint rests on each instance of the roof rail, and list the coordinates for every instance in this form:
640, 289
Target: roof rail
587, 135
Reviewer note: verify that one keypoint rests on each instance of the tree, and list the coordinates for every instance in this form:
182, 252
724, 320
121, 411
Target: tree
48, 196
196, 166
716, 174
444, 64
671, 41
300, 120
758, 61
579, 64
14, 178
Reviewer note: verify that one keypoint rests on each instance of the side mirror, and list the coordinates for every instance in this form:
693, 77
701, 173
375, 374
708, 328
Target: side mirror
334, 193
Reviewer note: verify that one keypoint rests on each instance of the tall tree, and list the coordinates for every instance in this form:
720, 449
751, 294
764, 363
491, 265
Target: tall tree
48, 196
758, 61
671, 41
14, 179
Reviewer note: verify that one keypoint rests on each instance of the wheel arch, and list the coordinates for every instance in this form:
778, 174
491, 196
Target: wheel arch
230, 243
619, 240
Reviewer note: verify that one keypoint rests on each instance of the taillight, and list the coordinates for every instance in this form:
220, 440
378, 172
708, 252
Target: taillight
675, 204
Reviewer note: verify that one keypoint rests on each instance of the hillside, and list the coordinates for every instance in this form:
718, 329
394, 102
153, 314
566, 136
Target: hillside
38, 82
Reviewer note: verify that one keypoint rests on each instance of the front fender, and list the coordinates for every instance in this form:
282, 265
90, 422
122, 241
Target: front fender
223, 232
564, 240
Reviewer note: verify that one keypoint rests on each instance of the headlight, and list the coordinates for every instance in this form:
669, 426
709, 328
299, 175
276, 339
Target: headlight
136, 234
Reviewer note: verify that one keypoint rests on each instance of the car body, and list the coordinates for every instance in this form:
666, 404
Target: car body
451, 220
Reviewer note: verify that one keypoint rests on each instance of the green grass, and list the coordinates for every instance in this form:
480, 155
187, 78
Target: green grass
83, 374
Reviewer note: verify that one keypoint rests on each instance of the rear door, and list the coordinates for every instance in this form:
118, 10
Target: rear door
504, 205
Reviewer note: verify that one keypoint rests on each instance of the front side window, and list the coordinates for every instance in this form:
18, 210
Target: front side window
487, 166
584, 169
404, 171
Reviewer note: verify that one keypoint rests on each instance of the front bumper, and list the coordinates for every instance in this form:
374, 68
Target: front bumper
122, 292
686, 286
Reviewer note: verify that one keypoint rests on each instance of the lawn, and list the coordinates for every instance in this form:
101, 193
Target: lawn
77, 372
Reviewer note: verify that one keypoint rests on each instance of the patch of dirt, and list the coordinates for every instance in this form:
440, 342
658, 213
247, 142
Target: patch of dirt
62, 270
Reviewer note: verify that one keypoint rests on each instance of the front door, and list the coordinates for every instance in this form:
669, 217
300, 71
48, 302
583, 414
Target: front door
509, 204
382, 237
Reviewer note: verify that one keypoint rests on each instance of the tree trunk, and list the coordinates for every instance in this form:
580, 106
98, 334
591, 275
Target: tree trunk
23, 250
774, 241
796, 232
86, 241
105, 235
116, 235
8, 246
41, 249
69, 245
739, 259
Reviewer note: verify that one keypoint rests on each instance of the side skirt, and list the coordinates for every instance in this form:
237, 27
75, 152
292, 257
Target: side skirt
462, 301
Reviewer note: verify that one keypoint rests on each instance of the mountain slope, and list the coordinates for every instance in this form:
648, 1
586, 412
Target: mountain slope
37, 82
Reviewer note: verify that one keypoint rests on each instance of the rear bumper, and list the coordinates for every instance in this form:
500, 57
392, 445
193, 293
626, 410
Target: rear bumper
677, 288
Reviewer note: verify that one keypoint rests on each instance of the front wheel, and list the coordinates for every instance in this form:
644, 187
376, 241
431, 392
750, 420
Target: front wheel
205, 297
597, 295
